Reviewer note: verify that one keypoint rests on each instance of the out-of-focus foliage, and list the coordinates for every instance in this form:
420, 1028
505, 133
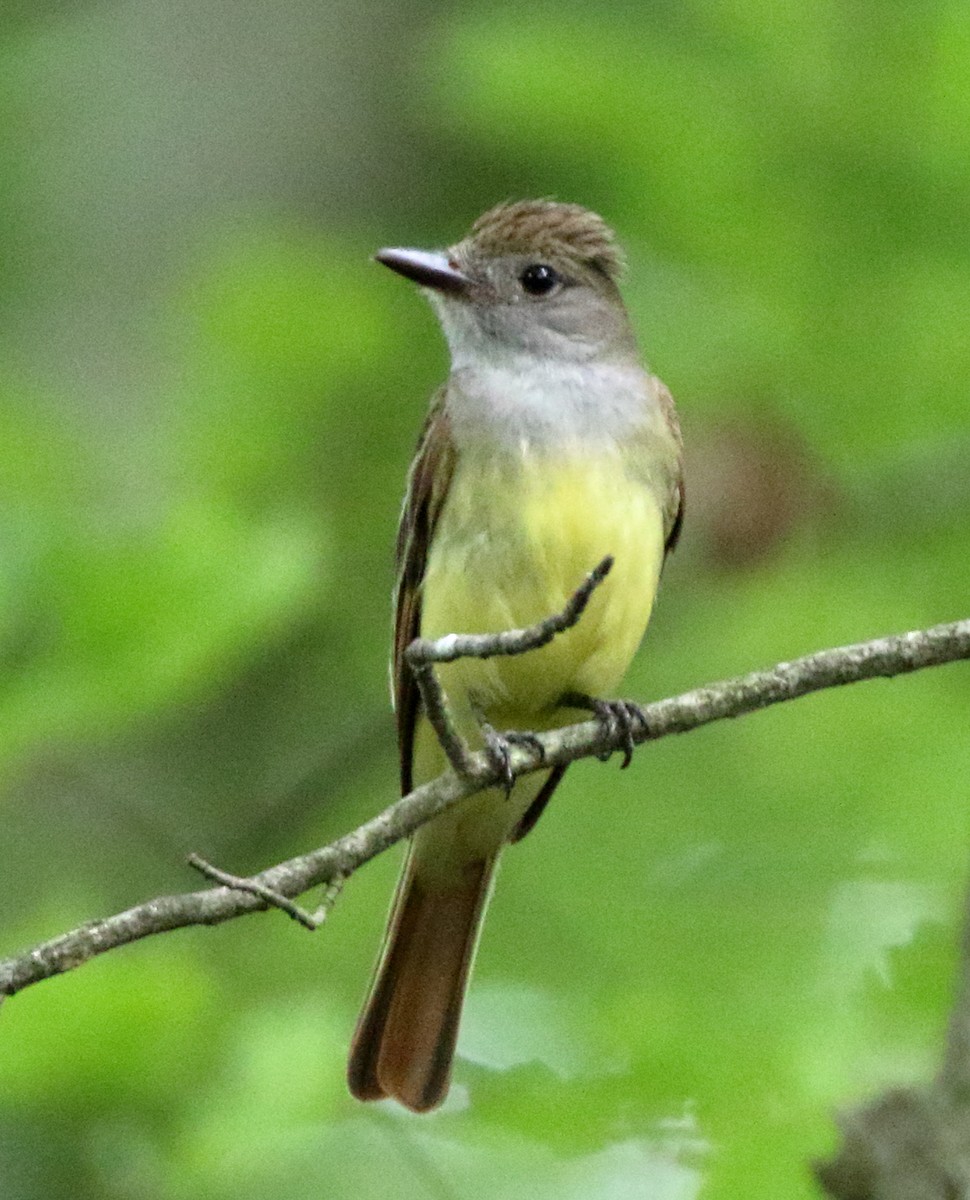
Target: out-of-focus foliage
207, 403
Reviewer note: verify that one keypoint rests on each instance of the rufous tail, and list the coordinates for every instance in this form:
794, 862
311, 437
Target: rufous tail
405, 1039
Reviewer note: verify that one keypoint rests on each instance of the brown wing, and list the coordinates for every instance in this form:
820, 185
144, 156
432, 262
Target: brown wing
673, 536
428, 483
674, 500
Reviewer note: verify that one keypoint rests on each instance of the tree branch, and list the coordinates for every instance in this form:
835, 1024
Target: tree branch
882, 658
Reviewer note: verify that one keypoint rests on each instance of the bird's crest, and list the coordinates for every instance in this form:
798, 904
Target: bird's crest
548, 229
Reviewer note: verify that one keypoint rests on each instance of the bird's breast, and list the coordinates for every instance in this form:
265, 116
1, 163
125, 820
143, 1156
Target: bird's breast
517, 535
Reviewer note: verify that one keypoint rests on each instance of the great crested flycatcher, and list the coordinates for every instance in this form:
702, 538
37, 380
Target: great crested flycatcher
548, 448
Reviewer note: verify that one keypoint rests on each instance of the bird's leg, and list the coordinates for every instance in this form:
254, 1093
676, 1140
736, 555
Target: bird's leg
619, 718
498, 747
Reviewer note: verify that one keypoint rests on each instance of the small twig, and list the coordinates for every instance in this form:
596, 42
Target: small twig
437, 710
275, 899
423, 653
512, 641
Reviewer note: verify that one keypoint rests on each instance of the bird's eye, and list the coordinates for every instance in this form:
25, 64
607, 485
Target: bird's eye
538, 279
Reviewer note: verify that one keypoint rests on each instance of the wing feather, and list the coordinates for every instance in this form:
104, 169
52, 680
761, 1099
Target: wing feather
674, 499
428, 483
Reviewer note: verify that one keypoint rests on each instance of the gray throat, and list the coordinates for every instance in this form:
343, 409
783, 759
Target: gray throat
539, 403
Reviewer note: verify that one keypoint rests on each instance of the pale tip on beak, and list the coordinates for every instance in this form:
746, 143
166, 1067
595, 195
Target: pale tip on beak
424, 268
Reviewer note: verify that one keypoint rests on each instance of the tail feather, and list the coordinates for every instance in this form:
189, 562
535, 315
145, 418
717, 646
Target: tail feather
405, 1039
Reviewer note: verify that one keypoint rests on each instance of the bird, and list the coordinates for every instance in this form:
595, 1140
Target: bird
549, 447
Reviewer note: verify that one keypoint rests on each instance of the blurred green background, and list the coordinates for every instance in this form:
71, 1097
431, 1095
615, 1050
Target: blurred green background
208, 401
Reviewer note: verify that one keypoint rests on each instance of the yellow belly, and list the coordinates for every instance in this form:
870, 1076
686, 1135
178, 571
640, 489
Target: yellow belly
514, 541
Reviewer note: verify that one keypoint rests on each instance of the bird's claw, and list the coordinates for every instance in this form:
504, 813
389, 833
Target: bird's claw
528, 741
498, 747
618, 718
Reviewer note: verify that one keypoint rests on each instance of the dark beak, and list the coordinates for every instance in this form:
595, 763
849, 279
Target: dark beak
427, 269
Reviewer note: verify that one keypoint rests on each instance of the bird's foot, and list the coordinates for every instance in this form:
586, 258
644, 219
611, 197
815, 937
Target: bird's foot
528, 741
498, 747
619, 718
